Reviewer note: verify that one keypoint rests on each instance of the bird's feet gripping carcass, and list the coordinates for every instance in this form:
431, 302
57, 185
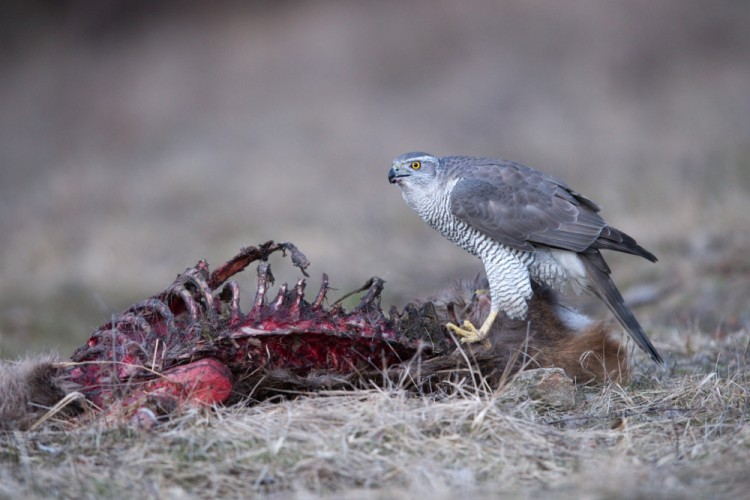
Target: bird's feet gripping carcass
192, 344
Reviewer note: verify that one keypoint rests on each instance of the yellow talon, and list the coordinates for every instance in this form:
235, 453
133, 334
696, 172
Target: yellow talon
469, 333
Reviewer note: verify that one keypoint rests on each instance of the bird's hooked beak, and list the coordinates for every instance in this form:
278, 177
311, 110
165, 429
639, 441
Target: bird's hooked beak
396, 172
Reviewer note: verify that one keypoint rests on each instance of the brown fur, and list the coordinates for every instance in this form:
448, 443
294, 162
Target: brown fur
28, 387
544, 341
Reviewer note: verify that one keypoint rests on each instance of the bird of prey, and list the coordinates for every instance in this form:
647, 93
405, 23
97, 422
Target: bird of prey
524, 225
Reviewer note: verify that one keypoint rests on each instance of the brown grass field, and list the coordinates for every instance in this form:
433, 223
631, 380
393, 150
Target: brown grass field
680, 434
136, 139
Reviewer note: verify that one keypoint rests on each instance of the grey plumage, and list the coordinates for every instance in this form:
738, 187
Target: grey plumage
523, 225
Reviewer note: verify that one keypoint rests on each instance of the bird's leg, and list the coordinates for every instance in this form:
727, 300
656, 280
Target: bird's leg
469, 333
509, 295
510, 288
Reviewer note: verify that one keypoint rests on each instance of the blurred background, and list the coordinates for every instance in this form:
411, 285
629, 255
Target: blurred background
137, 137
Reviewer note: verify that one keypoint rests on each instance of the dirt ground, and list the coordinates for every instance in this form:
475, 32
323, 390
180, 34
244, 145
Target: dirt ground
137, 138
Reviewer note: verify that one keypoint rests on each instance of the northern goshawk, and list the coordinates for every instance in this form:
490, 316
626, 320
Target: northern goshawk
524, 225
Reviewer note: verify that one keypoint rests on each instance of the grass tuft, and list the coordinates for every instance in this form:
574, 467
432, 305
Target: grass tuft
665, 434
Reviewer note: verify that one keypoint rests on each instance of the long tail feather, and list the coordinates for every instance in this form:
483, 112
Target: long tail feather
611, 238
601, 284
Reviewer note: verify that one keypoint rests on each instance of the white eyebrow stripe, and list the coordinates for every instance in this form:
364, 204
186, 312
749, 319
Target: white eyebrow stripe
418, 158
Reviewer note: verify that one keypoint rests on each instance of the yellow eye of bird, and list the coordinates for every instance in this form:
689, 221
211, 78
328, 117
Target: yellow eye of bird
416, 165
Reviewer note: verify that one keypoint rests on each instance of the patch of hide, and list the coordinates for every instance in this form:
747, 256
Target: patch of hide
552, 336
29, 387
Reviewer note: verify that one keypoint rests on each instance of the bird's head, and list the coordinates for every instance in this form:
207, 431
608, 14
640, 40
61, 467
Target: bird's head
414, 171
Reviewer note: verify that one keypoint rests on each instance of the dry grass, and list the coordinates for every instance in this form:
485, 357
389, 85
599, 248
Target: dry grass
670, 434
128, 154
